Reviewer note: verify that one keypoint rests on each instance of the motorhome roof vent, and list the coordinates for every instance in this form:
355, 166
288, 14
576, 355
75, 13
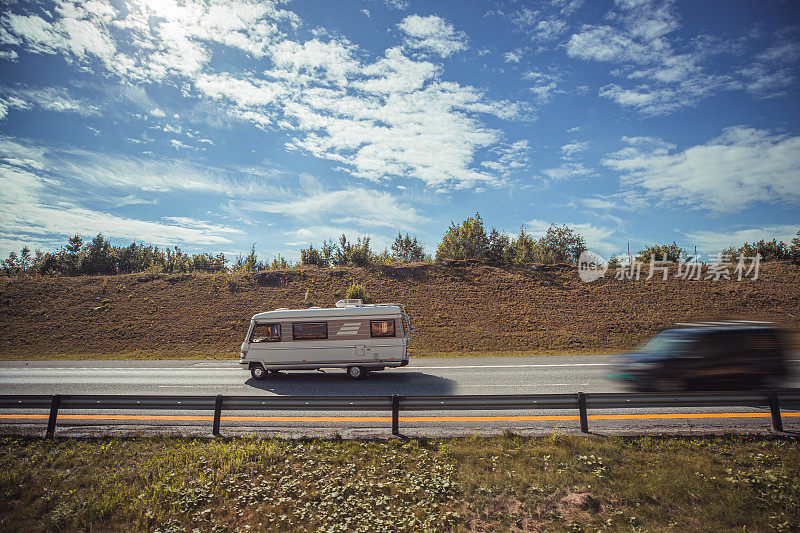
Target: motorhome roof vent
349, 303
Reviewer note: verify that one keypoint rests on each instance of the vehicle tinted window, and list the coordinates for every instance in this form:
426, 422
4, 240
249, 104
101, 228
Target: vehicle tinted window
304, 331
669, 343
266, 333
381, 328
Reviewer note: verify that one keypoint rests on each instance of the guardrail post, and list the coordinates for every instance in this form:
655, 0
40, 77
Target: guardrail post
395, 415
582, 412
775, 410
217, 415
51, 422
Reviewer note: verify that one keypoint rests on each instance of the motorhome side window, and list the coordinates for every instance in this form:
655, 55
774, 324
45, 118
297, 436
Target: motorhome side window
381, 328
266, 333
306, 331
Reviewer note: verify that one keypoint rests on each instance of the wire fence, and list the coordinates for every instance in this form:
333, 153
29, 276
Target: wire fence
705, 253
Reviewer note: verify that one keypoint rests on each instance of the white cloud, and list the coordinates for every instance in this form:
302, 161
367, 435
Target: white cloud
510, 159
544, 85
512, 57
737, 237
642, 47
594, 235
48, 98
772, 71
393, 117
79, 30
110, 171
604, 43
332, 60
243, 92
574, 148
597, 202
360, 207
27, 208
734, 171
540, 26
568, 170
432, 33
396, 4
548, 30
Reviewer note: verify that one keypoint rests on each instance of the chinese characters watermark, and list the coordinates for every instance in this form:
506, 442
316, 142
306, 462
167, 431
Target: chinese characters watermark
592, 266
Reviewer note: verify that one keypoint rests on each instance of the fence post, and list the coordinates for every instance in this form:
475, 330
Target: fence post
51, 422
395, 415
217, 415
582, 412
775, 410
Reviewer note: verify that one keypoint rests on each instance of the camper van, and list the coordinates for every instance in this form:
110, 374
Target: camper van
355, 336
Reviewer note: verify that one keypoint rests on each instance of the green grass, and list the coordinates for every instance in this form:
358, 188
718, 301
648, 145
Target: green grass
556, 483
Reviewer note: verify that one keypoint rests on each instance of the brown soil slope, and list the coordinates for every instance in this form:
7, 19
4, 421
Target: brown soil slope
465, 307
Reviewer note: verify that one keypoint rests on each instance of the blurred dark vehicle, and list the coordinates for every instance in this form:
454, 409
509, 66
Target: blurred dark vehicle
708, 357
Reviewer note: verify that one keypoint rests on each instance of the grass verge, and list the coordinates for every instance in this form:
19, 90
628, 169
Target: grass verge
217, 355
556, 483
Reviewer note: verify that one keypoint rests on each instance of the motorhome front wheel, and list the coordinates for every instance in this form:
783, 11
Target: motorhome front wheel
355, 372
258, 372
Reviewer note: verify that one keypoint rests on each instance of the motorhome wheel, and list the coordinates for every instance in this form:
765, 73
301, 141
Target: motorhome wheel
258, 372
355, 372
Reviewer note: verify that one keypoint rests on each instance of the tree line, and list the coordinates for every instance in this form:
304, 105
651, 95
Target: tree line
99, 256
467, 240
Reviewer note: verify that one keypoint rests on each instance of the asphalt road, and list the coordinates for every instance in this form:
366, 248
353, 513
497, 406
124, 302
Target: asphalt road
443, 376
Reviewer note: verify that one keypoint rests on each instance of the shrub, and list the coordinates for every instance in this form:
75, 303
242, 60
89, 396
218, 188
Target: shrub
526, 249
346, 253
309, 256
661, 252
467, 240
794, 249
773, 250
407, 250
279, 264
326, 253
562, 244
384, 258
360, 252
357, 291
499, 251
99, 257
248, 263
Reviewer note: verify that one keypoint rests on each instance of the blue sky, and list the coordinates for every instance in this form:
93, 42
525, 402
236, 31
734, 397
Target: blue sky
217, 125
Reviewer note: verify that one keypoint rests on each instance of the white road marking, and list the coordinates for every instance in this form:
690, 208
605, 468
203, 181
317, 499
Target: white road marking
512, 366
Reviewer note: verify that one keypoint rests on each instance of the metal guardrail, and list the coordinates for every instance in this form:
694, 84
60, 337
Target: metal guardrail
580, 401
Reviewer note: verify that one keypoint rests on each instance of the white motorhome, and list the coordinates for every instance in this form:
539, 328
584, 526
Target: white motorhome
356, 336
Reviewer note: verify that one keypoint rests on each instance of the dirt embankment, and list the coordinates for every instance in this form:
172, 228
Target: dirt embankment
459, 308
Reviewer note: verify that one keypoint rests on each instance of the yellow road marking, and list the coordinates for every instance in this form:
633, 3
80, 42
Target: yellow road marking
521, 418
